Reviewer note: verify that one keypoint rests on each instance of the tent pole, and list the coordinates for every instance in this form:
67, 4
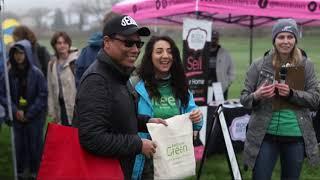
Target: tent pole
197, 9
13, 149
197, 14
251, 38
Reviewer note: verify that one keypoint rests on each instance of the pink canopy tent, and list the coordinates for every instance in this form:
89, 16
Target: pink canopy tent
248, 13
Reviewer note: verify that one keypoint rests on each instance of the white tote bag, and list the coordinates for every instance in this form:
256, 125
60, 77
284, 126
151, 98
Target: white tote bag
174, 157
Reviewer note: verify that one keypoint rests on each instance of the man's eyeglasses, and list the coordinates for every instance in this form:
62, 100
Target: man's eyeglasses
130, 43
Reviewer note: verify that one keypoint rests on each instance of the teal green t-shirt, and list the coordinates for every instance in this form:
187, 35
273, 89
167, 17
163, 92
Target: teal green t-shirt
284, 123
165, 107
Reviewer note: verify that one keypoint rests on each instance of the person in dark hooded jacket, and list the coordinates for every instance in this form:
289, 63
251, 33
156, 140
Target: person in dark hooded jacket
88, 55
28, 88
41, 55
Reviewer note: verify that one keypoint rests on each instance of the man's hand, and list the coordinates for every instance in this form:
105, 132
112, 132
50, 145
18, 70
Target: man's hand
158, 121
148, 147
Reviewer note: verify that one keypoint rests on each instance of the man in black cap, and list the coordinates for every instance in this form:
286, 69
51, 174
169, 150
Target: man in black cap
105, 110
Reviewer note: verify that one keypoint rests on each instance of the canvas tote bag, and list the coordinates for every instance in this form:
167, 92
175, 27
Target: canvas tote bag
64, 158
174, 157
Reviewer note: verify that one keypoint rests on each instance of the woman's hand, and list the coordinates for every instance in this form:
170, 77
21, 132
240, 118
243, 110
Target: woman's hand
283, 89
20, 115
195, 116
264, 91
158, 121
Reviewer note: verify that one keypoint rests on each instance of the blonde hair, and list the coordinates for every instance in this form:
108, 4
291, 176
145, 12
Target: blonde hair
294, 59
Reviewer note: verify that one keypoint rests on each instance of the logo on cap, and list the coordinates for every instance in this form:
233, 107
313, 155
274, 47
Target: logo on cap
287, 28
127, 21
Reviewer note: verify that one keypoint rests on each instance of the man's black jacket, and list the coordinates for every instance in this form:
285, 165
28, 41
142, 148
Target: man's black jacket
105, 113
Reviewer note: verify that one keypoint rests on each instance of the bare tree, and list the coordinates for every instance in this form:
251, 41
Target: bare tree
59, 22
81, 11
97, 8
9, 14
37, 14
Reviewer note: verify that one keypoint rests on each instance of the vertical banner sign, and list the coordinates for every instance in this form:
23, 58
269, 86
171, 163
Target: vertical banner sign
196, 38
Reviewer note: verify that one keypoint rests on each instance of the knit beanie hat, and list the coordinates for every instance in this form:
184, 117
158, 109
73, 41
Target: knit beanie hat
285, 25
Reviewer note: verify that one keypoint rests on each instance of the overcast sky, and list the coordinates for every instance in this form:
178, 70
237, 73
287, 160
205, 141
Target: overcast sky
23, 5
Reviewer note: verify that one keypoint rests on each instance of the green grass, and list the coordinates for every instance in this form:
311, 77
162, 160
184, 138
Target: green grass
5, 154
216, 167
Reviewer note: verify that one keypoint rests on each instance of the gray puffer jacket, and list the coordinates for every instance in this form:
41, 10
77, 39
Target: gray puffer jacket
308, 99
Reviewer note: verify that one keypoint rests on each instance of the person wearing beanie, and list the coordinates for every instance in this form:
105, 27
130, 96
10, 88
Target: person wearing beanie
281, 88
105, 109
285, 25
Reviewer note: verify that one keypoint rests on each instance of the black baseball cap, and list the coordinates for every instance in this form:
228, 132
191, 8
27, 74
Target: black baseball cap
124, 25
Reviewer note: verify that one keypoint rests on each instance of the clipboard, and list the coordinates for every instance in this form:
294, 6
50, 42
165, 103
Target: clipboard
296, 80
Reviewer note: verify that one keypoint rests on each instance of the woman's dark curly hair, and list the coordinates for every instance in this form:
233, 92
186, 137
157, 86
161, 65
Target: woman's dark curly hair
178, 79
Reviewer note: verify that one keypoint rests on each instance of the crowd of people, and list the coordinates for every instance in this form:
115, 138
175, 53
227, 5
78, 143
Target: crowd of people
91, 90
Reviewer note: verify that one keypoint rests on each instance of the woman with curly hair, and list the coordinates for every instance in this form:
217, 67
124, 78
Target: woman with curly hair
163, 92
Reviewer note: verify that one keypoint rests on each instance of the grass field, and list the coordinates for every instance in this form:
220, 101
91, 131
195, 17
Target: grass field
216, 167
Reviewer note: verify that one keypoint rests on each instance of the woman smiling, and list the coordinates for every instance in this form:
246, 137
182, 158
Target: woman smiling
280, 123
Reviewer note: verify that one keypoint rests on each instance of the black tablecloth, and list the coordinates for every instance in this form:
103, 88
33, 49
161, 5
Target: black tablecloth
217, 144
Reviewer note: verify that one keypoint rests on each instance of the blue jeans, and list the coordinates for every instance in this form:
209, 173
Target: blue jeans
291, 158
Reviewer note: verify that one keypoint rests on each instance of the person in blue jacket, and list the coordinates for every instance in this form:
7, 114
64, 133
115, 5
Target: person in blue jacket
163, 92
28, 88
88, 55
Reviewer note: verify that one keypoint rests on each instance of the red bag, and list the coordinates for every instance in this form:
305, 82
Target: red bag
64, 158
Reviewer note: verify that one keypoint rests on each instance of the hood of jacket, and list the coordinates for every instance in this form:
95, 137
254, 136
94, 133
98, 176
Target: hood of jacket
73, 55
95, 39
26, 46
